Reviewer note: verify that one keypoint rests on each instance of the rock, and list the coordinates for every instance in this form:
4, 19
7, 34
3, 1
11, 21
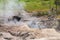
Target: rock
23, 32
2, 38
6, 35
58, 27
8, 38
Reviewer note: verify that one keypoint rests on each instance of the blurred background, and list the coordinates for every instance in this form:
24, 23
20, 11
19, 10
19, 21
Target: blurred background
32, 12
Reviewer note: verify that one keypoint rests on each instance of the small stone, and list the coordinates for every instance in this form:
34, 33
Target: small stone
8, 38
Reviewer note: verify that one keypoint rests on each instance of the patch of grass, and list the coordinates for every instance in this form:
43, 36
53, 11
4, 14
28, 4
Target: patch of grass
34, 6
39, 5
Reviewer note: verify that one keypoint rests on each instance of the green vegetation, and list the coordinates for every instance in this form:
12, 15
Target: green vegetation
2, 4
42, 6
38, 5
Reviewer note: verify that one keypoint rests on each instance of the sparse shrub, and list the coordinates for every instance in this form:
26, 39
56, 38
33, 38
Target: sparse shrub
38, 14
